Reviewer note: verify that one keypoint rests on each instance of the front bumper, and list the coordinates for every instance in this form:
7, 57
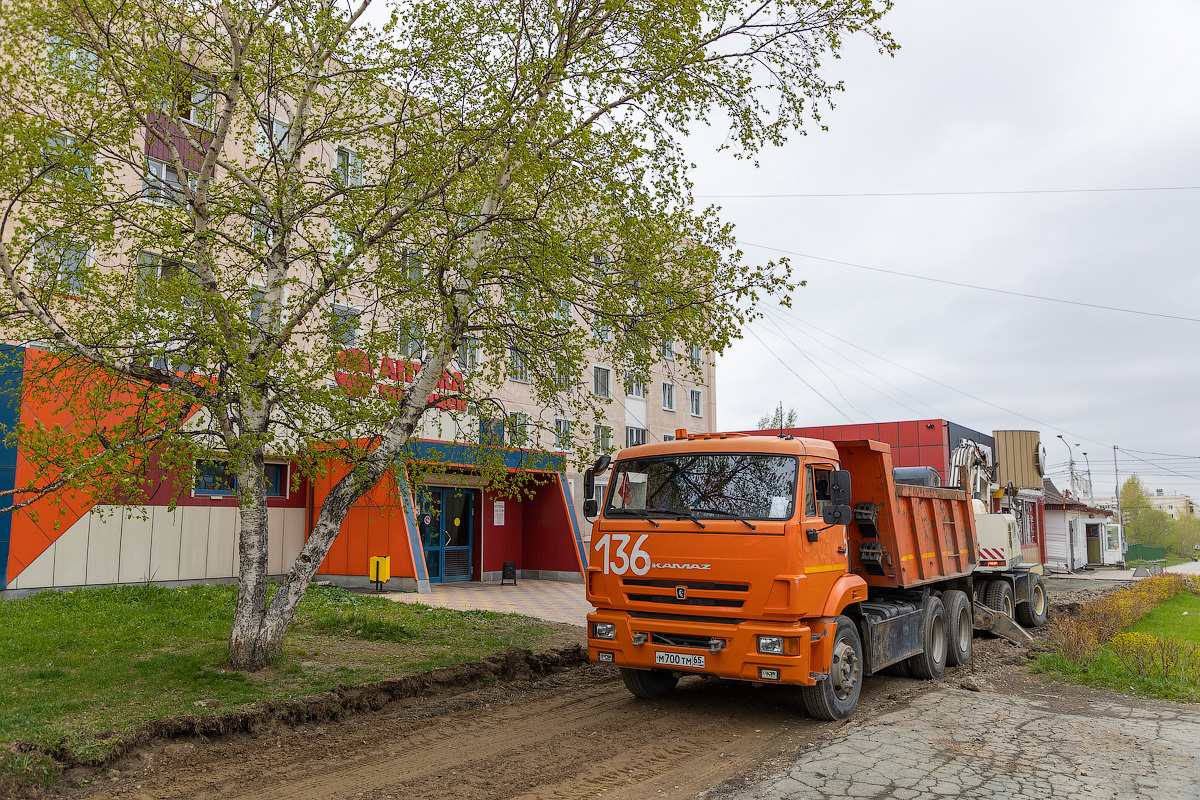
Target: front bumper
738, 659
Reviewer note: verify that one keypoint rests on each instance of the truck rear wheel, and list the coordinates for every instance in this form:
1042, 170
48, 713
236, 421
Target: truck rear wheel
1000, 598
931, 663
648, 683
837, 695
1033, 614
960, 625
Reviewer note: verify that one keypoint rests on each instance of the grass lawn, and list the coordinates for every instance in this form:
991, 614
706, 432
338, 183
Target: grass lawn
1166, 621
78, 668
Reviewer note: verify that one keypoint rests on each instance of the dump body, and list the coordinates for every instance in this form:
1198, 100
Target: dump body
904, 536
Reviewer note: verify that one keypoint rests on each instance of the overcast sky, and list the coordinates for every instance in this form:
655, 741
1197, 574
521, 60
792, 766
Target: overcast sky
990, 97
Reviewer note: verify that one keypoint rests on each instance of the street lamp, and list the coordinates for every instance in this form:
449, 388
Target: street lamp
1070, 462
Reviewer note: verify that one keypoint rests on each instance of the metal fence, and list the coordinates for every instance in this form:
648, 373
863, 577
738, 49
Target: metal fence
1144, 552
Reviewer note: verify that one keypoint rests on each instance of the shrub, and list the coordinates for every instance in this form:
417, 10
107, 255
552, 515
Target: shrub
1097, 622
1150, 656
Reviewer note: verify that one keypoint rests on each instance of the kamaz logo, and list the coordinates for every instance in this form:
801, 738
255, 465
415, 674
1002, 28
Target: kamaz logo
682, 566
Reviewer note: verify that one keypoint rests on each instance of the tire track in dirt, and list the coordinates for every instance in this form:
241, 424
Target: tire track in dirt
570, 735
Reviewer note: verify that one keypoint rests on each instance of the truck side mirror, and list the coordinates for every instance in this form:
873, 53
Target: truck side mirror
590, 507
839, 487
837, 515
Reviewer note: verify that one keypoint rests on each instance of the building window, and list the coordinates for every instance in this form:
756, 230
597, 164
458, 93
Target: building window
599, 266
257, 295
491, 432
694, 355
603, 438
602, 329
668, 437
349, 167
634, 436
668, 396
468, 354
637, 389
344, 326
215, 477
518, 428
162, 184
272, 137
276, 475
195, 102
262, 226
694, 396
61, 267
564, 375
70, 62
563, 440
600, 382
64, 157
411, 346
518, 366
668, 349
563, 312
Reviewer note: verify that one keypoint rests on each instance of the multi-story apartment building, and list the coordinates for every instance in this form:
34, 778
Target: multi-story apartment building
453, 527
1173, 505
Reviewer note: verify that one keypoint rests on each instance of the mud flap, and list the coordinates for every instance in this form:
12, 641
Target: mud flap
988, 620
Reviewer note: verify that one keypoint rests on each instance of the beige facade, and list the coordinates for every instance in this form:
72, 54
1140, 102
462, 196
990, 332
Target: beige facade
1173, 505
680, 393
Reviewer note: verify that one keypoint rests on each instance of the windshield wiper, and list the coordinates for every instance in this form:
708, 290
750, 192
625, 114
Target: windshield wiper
637, 512
687, 515
725, 514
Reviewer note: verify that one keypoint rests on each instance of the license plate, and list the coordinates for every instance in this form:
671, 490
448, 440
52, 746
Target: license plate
679, 660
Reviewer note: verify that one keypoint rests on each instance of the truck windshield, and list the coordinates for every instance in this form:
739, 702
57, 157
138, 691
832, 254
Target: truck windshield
705, 486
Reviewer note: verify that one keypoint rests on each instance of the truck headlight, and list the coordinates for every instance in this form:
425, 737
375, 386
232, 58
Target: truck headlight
772, 645
604, 630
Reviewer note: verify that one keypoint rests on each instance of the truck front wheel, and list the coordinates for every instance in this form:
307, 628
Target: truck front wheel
837, 695
648, 683
1000, 597
1033, 614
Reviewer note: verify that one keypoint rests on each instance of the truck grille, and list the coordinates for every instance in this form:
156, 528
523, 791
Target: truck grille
690, 601
681, 640
685, 618
703, 585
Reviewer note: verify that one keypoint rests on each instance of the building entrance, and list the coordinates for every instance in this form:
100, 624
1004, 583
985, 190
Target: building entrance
447, 532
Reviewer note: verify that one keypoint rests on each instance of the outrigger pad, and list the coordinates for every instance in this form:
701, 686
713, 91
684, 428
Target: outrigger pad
987, 619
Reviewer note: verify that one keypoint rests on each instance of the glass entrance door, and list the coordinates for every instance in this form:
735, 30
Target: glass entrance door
447, 533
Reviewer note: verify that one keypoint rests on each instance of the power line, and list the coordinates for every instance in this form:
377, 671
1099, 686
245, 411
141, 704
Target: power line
972, 285
1173, 472
788, 367
944, 385
851, 362
978, 193
832, 382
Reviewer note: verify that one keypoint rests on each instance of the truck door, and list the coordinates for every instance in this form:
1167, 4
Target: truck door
826, 559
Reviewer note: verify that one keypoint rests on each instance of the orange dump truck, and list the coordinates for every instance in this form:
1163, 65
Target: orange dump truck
783, 560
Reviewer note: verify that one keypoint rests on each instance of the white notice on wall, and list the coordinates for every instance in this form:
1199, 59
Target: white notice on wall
778, 507
498, 513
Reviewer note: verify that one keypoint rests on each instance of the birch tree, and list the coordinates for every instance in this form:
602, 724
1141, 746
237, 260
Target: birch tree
226, 207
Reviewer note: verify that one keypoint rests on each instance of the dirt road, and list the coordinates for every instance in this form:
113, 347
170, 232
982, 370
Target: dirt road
575, 734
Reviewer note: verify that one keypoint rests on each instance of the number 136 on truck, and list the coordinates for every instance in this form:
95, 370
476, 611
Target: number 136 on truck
795, 561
